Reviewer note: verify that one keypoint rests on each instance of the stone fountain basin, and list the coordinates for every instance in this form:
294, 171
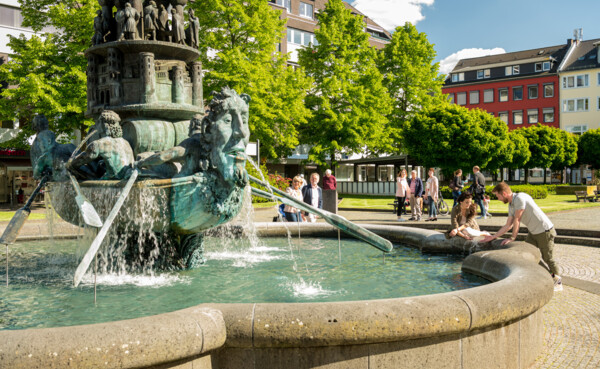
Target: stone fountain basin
498, 325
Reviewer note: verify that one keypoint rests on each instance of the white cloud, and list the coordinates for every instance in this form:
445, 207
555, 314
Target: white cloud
390, 14
448, 63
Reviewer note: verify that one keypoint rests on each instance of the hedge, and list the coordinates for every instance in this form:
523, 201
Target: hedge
535, 191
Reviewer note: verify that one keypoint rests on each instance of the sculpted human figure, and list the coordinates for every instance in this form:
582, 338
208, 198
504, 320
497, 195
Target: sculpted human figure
193, 29
217, 143
150, 20
47, 156
177, 29
98, 29
164, 32
128, 22
111, 148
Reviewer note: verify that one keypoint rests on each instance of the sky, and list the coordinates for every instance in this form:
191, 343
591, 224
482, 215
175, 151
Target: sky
470, 28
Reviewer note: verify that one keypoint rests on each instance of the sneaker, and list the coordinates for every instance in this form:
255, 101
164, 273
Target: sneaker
412, 218
557, 283
400, 219
488, 215
481, 217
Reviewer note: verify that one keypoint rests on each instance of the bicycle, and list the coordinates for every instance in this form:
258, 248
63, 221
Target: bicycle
441, 205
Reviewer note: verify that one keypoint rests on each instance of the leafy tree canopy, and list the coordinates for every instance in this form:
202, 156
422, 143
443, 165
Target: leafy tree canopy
544, 144
410, 75
48, 72
348, 99
520, 152
238, 41
589, 148
568, 155
449, 136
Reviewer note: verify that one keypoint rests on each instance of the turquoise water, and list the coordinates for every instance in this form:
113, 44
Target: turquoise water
41, 293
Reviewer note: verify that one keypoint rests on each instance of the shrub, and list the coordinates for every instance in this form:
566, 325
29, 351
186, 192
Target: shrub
275, 180
535, 191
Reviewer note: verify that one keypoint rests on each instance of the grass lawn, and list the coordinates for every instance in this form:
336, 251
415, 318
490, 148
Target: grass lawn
269, 204
550, 204
7, 215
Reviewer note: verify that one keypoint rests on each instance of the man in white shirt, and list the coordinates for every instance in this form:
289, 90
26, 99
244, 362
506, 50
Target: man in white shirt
313, 195
541, 232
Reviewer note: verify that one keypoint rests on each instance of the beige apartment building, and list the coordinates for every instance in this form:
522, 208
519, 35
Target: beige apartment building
301, 24
579, 81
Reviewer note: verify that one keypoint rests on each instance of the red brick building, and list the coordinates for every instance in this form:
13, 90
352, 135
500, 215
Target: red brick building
521, 88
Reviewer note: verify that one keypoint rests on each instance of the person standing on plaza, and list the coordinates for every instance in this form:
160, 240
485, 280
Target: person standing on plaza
478, 190
313, 195
329, 181
540, 230
432, 194
402, 191
457, 186
415, 188
295, 190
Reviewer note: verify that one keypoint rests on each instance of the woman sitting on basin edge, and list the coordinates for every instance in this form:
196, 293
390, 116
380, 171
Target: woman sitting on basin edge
291, 213
462, 217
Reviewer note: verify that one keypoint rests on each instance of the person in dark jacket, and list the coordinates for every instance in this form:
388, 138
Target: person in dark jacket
313, 195
416, 192
458, 186
478, 190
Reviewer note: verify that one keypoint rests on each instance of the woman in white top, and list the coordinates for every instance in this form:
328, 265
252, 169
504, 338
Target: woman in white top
402, 192
432, 193
292, 214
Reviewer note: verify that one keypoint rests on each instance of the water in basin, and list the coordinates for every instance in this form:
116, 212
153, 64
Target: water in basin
40, 293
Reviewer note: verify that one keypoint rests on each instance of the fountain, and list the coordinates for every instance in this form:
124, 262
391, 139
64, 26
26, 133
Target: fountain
186, 175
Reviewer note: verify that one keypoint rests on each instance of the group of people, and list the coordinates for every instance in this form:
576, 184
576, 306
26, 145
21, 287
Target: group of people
309, 193
477, 190
412, 188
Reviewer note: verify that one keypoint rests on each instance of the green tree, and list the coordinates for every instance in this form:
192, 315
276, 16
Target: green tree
348, 100
410, 75
568, 155
238, 40
545, 146
500, 149
520, 151
449, 136
589, 148
49, 72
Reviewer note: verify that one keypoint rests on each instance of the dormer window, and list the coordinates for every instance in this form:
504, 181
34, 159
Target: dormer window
483, 73
542, 67
511, 70
458, 77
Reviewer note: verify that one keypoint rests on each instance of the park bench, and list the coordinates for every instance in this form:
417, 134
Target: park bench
582, 196
395, 205
596, 196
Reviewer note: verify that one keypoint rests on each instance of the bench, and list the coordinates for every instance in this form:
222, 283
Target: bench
395, 205
582, 196
596, 196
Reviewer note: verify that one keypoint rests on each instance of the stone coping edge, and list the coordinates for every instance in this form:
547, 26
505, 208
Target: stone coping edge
134, 343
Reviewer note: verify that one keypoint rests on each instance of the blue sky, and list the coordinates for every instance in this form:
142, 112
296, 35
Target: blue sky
470, 28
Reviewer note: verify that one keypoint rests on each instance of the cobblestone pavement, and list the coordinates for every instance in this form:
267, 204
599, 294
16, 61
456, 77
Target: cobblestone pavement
580, 262
571, 331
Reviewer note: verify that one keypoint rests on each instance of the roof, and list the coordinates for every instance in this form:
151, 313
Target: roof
518, 57
584, 56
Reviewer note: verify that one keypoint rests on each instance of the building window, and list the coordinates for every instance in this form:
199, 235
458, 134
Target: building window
461, 98
10, 16
548, 115
542, 66
518, 93
483, 73
532, 116
598, 102
516, 69
306, 10
296, 36
451, 98
598, 79
458, 77
474, 97
532, 92
577, 130
572, 105
503, 94
518, 117
286, 4
549, 90
578, 81
488, 96
503, 115
508, 71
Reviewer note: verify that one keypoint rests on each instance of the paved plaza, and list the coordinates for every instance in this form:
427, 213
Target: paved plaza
572, 317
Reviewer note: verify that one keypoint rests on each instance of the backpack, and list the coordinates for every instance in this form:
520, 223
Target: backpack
452, 185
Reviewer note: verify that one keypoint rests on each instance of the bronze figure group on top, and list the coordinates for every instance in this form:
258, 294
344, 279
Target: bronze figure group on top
134, 20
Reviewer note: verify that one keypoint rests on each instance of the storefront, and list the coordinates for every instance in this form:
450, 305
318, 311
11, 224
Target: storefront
16, 176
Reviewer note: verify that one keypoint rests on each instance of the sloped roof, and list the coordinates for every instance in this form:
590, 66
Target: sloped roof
543, 53
584, 56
